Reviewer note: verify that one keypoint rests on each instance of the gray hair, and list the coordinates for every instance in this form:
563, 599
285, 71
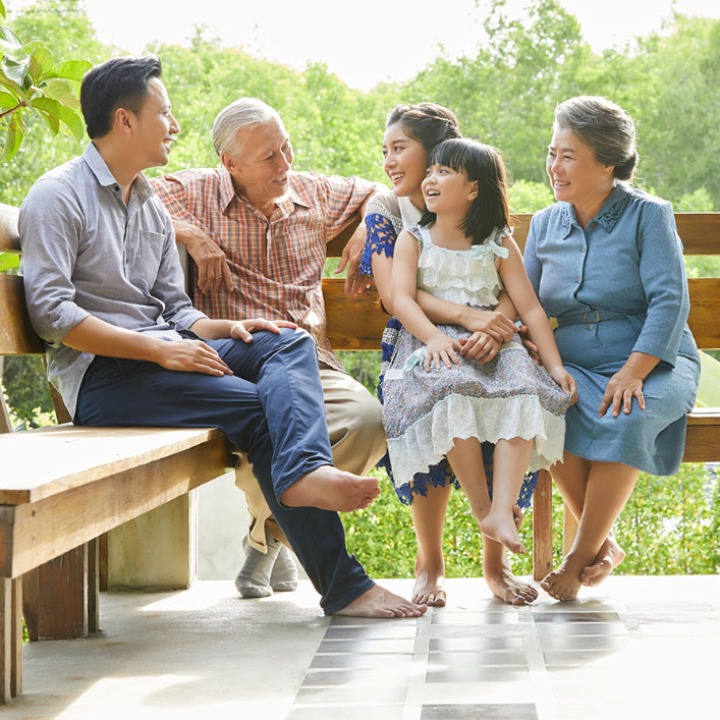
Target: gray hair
244, 112
605, 127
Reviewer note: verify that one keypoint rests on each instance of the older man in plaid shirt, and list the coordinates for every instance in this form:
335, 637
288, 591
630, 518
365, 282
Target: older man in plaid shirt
257, 233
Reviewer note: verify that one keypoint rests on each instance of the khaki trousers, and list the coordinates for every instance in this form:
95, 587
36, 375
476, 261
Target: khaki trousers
357, 437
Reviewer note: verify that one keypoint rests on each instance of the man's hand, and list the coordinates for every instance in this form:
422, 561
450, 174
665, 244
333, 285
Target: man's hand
350, 259
210, 264
243, 329
191, 356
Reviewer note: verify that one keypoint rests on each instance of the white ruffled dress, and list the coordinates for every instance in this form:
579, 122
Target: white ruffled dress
508, 397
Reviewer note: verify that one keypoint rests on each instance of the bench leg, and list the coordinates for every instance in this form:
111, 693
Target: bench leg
10, 639
56, 597
542, 526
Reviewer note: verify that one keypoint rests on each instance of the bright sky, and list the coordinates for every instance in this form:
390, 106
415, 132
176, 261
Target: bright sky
364, 42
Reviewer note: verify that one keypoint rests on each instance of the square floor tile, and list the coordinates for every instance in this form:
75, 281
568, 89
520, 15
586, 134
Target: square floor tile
474, 659
477, 643
348, 712
479, 712
477, 674
372, 645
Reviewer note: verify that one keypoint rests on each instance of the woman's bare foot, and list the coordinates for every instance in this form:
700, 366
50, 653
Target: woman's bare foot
564, 583
608, 558
328, 488
381, 603
504, 585
503, 529
429, 590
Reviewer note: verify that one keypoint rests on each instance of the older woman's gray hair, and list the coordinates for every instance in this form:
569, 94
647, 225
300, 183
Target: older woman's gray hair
244, 112
605, 127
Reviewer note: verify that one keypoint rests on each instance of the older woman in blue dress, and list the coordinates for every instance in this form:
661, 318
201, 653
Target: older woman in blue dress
606, 262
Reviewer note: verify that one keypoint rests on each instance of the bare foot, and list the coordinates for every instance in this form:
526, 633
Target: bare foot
328, 488
503, 529
564, 583
608, 558
505, 586
381, 603
429, 590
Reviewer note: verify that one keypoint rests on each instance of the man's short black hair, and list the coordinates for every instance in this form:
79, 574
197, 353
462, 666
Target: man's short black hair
120, 82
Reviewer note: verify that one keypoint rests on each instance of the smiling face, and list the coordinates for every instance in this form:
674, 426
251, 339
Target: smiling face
575, 174
156, 126
405, 163
448, 191
260, 164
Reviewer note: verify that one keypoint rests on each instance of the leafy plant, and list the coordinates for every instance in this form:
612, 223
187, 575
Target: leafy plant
31, 82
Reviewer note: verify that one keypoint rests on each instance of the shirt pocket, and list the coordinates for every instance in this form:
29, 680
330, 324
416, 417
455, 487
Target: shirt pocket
143, 258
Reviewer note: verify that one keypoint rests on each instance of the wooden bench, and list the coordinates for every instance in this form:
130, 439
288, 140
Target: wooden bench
356, 323
63, 487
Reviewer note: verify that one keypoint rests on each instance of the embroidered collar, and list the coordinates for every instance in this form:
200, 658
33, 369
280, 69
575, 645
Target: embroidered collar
609, 214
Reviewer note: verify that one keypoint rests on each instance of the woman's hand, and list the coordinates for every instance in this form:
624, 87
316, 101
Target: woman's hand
620, 391
490, 322
441, 350
566, 382
480, 347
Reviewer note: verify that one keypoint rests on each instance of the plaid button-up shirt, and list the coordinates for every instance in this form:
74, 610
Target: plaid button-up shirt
277, 263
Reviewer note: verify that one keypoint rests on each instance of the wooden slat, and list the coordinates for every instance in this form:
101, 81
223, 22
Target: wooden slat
16, 334
700, 233
705, 311
354, 322
61, 458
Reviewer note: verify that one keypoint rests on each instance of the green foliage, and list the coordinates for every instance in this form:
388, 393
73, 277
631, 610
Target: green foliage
27, 390
671, 525
32, 83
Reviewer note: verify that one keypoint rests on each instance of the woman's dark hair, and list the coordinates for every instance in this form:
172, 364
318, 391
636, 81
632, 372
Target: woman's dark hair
603, 126
483, 164
428, 123
120, 82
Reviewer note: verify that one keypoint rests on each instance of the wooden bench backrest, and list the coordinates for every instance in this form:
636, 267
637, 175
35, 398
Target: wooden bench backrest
357, 323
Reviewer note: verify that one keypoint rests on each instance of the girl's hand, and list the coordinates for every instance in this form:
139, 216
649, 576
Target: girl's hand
480, 347
566, 382
620, 391
441, 350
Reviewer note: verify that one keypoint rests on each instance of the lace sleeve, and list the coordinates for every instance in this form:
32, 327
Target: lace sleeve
382, 230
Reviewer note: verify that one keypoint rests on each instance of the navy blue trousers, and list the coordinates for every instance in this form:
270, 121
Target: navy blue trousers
271, 408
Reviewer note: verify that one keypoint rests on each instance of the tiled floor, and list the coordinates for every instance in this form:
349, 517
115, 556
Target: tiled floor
635, 648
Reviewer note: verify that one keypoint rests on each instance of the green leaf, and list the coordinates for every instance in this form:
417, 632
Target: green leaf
71, 69
2, 9
55, 109
13, 137
7, 100
15, 70
9, 261
41, 62
59, 90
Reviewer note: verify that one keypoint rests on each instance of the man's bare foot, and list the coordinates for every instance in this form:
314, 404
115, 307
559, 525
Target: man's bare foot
381, 603
505, 586
564, 583
503, 529
608, 558
429, 590
328, 488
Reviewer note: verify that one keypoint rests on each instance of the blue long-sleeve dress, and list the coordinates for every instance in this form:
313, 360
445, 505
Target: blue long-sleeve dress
616, 287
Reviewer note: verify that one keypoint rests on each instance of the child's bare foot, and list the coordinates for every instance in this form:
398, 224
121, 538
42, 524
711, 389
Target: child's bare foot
429, 590
608, 558
328, 488
564, 583
503, 529
381, 603
505, 586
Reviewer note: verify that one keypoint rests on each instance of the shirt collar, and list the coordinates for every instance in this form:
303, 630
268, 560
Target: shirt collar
227, 194
609, 214
95, 161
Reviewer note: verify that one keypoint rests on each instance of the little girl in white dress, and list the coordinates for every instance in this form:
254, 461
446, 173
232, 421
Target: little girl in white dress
439, 401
